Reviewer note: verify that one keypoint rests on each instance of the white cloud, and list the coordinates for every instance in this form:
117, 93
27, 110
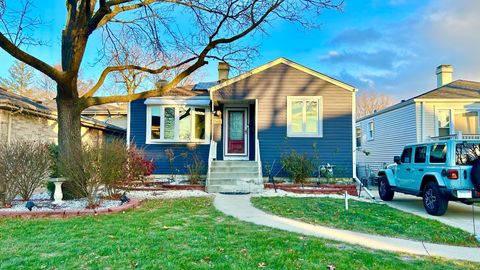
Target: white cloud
405, 56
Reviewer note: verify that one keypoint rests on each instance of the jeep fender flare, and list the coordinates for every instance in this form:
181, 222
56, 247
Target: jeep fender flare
390, 176
432, 177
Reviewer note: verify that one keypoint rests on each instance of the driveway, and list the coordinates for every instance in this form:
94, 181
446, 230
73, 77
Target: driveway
458, 214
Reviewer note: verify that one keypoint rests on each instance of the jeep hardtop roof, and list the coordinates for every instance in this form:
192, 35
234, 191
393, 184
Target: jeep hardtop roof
442, 141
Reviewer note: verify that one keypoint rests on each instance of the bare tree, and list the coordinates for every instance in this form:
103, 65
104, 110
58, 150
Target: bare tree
20, 78
369, 102
200, 29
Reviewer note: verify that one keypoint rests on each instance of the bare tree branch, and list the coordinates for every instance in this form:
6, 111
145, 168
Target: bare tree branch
32, 61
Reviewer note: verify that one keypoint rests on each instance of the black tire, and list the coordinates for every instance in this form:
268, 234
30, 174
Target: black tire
475, 174
435, 204
384, 190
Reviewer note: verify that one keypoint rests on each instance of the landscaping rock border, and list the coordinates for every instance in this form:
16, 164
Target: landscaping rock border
134, 203
319, 189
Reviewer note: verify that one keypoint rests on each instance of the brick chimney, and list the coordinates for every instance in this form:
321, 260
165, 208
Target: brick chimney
223, 70
444, 75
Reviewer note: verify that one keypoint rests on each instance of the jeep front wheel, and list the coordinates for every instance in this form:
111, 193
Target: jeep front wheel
435, 204
384, 190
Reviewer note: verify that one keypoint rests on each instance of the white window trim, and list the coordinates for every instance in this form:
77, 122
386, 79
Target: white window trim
176, 139
319, 100
360, 138
452, 118
437, 127
370, 138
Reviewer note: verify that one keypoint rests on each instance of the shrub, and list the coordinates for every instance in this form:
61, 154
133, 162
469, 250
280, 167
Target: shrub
25, 166
111, 166
195, 167
297, 166
137, 166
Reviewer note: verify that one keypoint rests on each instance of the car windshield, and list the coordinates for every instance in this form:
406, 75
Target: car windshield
467, 153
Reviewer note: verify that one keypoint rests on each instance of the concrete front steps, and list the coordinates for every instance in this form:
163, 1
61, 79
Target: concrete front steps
228, 176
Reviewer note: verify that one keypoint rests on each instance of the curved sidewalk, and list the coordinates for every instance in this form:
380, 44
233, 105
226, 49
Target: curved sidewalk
239, 206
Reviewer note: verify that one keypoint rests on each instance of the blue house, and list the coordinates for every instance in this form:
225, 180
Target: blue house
237, 124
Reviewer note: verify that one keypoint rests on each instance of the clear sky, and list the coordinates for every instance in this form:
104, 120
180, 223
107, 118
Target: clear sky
390, 46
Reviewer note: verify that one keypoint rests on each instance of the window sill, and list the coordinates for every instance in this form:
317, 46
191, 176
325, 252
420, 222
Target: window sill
304, 136
176, 142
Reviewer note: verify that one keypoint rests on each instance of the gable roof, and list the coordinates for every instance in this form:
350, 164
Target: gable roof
459, 89
286, 62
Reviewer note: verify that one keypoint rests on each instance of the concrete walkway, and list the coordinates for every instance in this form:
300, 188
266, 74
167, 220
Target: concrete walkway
239, 206
458, 215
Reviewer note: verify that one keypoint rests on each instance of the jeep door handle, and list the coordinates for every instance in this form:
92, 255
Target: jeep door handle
408, 169
420, 170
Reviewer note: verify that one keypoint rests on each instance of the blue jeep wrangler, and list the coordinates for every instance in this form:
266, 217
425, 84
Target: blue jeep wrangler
439, 172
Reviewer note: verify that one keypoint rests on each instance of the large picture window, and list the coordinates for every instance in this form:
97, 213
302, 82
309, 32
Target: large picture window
304, 116
177, 124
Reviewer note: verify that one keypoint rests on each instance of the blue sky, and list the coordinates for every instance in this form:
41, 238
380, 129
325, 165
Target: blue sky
387, 46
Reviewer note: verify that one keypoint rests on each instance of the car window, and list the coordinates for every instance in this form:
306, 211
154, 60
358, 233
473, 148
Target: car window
467, 153
438, 153
420, 154
406, 155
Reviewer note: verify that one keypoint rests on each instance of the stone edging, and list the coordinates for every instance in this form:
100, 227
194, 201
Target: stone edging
134, 203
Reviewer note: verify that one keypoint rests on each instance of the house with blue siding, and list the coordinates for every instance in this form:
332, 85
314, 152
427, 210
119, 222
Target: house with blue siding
235, 125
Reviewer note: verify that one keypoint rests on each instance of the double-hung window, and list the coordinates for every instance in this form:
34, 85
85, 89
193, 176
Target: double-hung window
182, 124
443, 122
304, 116
371, 130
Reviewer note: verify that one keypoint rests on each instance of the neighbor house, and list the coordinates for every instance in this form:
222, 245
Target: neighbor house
449, 109
235, 125
22, 118
113, 113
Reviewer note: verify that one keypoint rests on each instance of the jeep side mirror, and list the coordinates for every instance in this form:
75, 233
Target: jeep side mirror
396, 159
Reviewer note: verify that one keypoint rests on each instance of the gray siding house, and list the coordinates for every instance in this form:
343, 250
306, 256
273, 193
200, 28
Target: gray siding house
235, 125
451, 109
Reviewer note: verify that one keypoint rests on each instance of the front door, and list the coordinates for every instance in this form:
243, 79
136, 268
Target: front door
236, 134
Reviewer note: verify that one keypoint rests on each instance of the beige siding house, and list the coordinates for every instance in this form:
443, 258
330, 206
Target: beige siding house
114, 114
24, 119
451, 109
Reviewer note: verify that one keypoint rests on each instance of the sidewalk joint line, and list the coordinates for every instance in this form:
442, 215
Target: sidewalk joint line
423, 244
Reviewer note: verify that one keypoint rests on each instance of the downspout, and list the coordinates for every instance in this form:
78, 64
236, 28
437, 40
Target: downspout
9, 127
128, 125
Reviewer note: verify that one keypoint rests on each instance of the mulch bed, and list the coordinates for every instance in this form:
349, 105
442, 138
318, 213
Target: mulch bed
313, 188
134, 203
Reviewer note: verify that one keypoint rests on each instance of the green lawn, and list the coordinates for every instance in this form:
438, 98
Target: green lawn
365, 217
182, 234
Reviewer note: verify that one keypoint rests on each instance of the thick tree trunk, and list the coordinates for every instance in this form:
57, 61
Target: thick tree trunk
69, 123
